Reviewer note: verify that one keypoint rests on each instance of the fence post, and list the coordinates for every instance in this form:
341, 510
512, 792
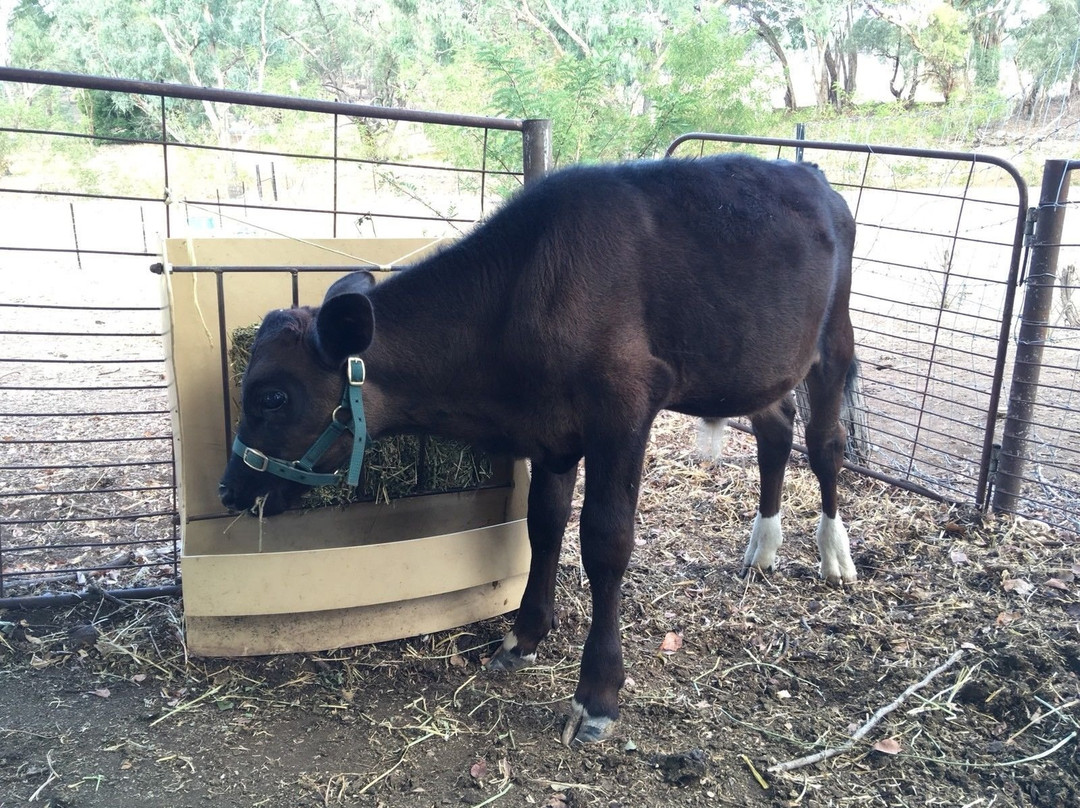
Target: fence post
1034, 320
536, 148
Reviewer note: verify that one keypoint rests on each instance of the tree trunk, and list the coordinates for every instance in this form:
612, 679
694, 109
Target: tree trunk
851, 67
831, 77
766, 33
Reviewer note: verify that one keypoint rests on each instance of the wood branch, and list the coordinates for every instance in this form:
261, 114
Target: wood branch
559, 21
906, 29
874, 720
536, 22
185, 55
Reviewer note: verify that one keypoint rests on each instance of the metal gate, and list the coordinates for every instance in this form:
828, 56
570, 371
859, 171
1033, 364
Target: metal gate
938, 256
87, 489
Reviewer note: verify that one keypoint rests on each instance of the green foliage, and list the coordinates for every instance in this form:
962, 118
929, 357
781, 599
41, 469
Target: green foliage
1048, 48
944, 43
692, 75
618, 78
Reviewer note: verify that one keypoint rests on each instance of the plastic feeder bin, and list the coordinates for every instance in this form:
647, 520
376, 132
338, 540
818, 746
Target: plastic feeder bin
329, 577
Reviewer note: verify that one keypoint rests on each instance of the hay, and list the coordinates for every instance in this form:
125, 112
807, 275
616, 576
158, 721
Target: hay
394, 467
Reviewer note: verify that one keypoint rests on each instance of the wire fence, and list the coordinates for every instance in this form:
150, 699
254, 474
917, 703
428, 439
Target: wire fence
87, 492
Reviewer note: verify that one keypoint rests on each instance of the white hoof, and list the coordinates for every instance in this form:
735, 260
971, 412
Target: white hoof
765, 540
832, 541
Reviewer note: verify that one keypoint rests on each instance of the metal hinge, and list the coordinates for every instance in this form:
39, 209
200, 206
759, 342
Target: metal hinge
1029, 225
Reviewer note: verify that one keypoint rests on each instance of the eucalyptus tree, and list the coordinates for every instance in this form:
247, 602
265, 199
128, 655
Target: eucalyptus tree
233, 44
820, 28
619, 77
1048, 52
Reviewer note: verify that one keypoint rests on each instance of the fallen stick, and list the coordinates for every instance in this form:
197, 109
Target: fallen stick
874, 720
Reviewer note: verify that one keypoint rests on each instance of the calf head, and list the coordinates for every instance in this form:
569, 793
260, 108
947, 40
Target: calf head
291, 393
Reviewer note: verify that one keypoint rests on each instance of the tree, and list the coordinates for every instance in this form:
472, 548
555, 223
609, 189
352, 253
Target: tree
618, 83
219, 43
876, 36
937, 33
1048, 52
987, 23
823, 28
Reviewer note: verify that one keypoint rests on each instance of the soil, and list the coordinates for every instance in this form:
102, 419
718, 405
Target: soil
101, 705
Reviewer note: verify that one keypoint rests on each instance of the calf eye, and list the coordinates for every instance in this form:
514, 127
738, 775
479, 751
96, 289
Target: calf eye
273, 400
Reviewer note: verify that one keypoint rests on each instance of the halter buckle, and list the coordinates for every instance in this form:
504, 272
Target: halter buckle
251, 455
356, 371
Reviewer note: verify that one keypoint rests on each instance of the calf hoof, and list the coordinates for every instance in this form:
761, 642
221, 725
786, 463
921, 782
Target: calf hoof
838, 578
836, 565
585, 728
753, 572
509, 657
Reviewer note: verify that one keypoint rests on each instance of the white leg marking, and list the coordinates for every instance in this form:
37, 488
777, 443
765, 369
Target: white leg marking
832, 542
510, 643
711, 434
765, 540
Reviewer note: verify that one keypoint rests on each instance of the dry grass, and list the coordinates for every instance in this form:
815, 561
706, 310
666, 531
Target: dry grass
770, 669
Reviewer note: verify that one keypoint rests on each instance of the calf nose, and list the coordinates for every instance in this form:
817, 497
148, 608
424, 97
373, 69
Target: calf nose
227, 496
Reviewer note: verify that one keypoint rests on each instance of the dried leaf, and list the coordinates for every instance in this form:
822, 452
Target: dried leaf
673, 641
1018, 586
479, 769
101, 692
457, 660
557, 801
958, 557
1005, 618
138, 678
888, 746
1055, 583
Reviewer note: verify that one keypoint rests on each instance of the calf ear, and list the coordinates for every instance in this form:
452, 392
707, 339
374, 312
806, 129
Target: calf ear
343, 327
360, 282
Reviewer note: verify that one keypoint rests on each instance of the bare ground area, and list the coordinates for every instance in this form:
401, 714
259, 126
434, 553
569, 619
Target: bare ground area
101, 705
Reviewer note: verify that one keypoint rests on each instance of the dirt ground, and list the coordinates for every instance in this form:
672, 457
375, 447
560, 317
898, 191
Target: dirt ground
101, 705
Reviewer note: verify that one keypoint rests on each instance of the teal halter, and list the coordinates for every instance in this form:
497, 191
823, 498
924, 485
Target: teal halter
301, 471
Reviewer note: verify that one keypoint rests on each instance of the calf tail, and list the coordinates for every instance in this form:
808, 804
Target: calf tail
854, 417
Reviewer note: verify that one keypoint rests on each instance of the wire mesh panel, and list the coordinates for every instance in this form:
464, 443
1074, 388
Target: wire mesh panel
934, 279
87, 490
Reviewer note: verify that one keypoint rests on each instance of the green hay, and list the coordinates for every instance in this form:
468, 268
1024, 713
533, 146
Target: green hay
394, 467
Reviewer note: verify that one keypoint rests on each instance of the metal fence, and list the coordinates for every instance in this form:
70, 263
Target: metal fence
87, 494
87, 491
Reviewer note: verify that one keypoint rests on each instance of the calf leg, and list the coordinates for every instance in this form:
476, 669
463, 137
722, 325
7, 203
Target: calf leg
825, 440
773, 429
550, 496
612, 481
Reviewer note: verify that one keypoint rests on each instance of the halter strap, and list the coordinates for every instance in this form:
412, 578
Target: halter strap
301, 471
